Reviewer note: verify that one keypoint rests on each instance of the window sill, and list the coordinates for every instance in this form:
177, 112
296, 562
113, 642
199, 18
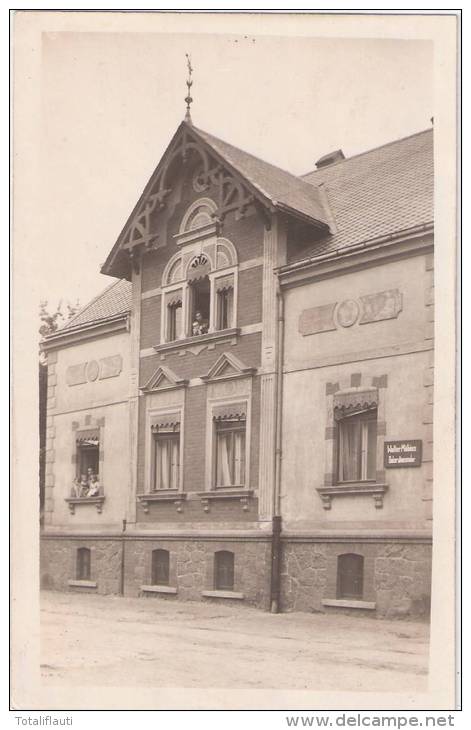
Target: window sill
197, 340
349, 603
97, 501
82, 583
376, 491
223, 594
165, 496
159, 589
239, 493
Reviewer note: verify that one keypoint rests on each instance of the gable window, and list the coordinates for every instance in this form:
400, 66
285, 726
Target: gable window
200, 295
357, 447
160, 568
350, 576
199, 283
83, 567
165, 455
224, 570
174, 315
230, 428
224, 302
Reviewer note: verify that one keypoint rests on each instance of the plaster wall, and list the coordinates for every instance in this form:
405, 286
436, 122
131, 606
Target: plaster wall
317, 364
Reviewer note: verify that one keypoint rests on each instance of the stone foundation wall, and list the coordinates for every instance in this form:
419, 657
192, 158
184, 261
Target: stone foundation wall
397, 576
192, 567
58, 564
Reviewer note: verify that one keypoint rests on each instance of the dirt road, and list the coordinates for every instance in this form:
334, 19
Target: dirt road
153, 642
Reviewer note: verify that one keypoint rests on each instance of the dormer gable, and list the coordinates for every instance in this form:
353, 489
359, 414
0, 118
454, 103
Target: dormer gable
227, 367
164, 379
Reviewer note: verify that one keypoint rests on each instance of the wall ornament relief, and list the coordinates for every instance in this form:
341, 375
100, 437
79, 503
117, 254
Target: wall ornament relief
363, 310
92, 370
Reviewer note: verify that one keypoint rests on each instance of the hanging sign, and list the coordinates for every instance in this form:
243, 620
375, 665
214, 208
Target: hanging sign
402, 453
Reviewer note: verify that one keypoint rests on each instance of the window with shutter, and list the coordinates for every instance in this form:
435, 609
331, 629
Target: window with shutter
350, 576
160, 567
224, 570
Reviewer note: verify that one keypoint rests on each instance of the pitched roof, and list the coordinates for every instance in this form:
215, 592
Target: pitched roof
115, 300
376, 193
281, 188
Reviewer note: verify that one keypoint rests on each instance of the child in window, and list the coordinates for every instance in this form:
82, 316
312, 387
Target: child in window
94, 488
200, 325
82, 486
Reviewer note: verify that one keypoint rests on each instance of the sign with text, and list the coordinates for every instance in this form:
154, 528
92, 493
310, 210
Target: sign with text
402, 453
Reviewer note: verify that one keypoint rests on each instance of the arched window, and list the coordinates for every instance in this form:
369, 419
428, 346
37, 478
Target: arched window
224, 570
160, 567
83, 568
350, 576
199, 283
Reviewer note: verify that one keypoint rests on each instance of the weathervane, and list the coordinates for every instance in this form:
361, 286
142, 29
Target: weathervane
189, 84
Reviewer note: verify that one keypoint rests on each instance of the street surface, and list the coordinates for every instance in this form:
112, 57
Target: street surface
154, 642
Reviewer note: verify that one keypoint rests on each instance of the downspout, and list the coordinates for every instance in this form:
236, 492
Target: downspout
276, 532
123, 542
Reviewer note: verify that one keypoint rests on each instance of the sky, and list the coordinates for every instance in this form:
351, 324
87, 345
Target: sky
110, 103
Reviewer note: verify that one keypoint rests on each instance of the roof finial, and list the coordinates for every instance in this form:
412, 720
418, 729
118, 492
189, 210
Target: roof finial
189, 84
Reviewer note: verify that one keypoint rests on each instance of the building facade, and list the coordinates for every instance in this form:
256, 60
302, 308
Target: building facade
255, 393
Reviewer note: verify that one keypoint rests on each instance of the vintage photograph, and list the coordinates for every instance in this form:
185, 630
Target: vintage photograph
235, 336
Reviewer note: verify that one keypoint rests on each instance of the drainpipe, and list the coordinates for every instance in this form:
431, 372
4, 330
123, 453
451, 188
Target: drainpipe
276, 530
123, 542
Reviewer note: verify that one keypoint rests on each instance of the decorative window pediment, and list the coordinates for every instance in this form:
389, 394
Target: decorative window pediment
164, 379
354, 401
227, 366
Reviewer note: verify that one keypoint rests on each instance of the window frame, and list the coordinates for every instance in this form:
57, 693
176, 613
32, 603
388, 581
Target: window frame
214, 402
81, 563
232, 427
341, 571
164, 436
158, 552
217, 570
362, 418
153, 416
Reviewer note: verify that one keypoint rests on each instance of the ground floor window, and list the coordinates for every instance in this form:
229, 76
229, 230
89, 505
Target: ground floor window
83, 564
350, 576
160, 567
224, 570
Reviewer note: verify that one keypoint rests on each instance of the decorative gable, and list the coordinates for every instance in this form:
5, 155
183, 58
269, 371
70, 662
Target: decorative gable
241, 181
227, 366
164, 379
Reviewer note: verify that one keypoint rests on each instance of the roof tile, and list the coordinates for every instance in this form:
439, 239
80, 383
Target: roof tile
114, 300
380, 192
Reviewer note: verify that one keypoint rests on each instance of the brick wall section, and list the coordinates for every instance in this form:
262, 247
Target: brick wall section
192, 568
58, 564
195, 438
250, 296
150, 321
396, 576
246, 234
187, 365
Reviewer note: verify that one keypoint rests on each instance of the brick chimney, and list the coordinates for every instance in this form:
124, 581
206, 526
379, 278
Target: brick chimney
329, 159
